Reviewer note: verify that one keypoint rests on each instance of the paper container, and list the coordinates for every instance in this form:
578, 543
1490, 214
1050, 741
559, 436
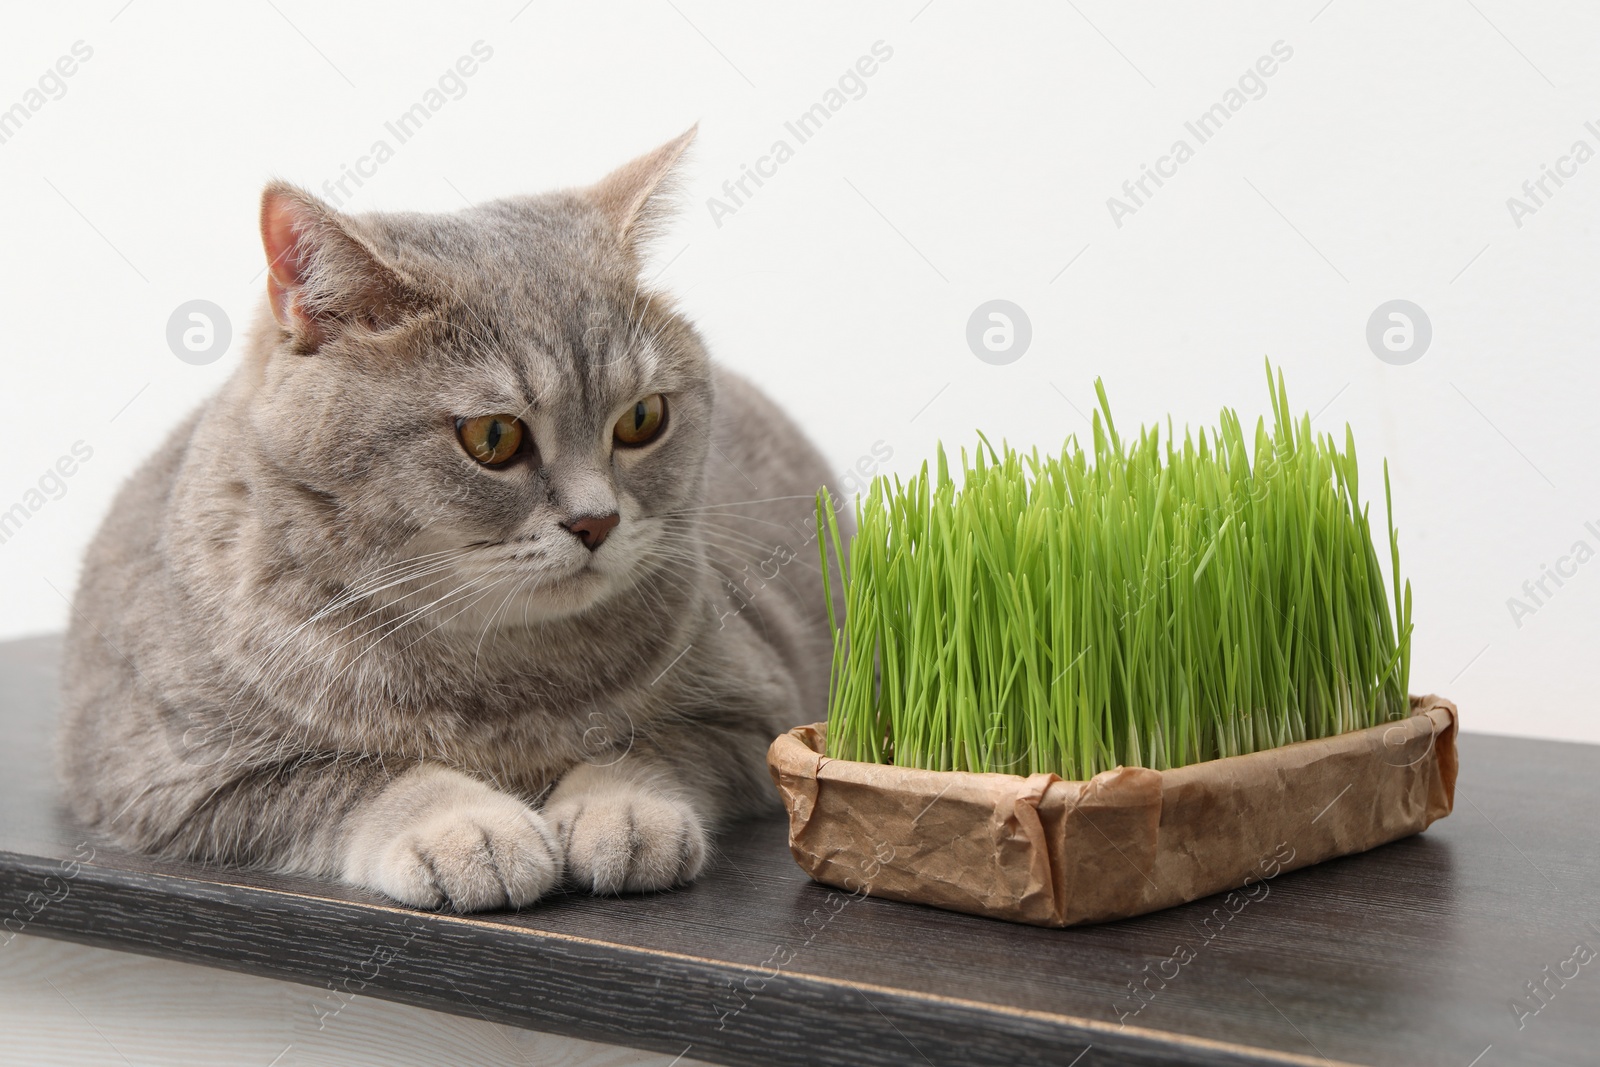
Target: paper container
1128, 841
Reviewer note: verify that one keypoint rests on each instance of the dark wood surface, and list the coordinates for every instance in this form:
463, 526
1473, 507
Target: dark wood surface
1413, 954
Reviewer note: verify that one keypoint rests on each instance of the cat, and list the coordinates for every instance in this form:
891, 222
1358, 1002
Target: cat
431, 597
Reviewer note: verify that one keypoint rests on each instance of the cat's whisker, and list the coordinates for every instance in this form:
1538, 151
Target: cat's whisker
730, 538
400, 620
377, 635
359, 587
368, 587
668, 553
646, 586
263, 672
725, 522
738, 504
468, 604
752, 551
515, 591
655, 336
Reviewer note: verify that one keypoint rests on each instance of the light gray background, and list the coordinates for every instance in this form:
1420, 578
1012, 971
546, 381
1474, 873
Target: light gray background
976, 166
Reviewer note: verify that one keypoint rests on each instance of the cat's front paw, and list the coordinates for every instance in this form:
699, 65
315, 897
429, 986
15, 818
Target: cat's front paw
472, 848
472, 859
625, 837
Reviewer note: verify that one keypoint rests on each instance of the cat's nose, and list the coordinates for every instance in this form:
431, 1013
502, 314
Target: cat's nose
593, 530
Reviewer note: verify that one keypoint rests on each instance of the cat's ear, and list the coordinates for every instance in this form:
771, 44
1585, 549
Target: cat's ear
321, 278
637, 196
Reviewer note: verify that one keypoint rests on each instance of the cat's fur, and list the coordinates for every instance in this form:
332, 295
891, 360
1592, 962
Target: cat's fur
314, 635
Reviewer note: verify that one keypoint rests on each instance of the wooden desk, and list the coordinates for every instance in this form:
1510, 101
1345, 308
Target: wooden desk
1413, 954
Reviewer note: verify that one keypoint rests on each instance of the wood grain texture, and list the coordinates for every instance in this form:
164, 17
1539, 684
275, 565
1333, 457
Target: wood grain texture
64, 1004
1412, 954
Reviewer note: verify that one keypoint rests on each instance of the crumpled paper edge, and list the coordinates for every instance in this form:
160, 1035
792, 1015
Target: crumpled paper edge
1129, 841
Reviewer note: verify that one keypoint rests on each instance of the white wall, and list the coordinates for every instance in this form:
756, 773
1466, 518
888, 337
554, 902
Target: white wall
977, 164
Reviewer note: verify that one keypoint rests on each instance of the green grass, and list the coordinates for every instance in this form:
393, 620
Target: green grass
1150, 603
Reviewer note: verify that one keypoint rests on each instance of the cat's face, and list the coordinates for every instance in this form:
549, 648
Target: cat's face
500, 423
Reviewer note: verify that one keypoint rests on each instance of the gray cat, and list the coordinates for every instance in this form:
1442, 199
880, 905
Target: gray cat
431, 597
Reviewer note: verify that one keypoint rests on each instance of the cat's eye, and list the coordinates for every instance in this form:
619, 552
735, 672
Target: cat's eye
491, 439
643, 422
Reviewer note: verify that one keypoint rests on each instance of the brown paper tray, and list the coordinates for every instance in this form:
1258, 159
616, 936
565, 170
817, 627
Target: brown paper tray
1049, 852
